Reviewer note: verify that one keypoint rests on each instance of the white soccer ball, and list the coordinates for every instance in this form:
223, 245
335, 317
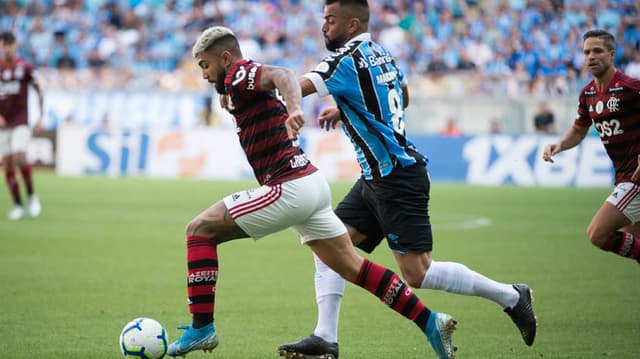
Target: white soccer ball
143, 338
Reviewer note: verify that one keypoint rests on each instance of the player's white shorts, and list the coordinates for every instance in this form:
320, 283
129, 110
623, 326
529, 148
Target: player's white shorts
303, 204
626, 198
15, 139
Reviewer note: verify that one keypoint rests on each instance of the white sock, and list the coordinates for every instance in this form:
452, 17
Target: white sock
329, 292
457, 278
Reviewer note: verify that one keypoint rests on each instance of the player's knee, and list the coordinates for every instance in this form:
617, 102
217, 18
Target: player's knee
197, 227
596, 235
21, 159
413, 278
8, 164
415, 282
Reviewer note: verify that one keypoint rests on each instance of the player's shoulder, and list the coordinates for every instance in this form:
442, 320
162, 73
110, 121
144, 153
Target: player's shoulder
242, 71
244, 65
18, 63
627, 81
24, 63
333, 61
589, 89
243, 79
345, 51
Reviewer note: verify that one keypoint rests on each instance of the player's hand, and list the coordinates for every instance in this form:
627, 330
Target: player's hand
550, 151
3, 122
329, 118
294, 123
224, 101
636, 174
38, 127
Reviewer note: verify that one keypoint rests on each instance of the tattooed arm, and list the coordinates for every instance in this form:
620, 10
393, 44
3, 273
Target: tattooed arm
286, 82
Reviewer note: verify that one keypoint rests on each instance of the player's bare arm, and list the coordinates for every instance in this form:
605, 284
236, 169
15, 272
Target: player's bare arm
37, 86
405, 96
636, 174
306, 86
216, 224
3, 122
224, 100
287, 84
572, 138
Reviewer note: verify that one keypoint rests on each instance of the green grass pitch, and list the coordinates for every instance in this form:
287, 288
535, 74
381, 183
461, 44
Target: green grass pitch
105, 251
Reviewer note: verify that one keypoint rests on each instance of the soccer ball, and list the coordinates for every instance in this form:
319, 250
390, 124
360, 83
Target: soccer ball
143, 338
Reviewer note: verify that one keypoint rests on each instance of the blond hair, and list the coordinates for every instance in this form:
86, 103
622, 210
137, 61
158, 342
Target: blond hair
209, 37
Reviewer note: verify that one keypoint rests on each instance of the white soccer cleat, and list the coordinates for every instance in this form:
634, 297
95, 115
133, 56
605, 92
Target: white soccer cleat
16, 213
34, 206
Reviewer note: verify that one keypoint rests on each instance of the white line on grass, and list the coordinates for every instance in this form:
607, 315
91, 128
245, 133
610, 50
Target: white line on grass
449, 222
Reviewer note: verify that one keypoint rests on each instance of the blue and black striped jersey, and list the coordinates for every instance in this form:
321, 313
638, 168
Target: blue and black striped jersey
366, 84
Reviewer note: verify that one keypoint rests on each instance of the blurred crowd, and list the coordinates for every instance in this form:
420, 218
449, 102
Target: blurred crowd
513, 48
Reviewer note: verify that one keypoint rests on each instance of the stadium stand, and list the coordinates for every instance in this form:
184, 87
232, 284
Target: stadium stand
502, 48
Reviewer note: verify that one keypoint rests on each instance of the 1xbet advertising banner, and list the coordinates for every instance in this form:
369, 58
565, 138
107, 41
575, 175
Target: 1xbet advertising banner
506, 159
215, 154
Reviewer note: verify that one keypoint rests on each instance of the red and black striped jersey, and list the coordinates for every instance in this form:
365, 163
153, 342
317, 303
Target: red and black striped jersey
615, 113
260, 117
15, 79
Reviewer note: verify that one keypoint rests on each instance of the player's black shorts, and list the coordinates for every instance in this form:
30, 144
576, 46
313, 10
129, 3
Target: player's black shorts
395, 207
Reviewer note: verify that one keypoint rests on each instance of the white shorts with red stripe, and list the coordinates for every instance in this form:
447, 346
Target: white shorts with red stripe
14, 139
303, 204
626, 198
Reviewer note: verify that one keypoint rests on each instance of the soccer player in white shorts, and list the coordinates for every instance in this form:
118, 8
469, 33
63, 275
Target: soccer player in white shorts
609, 102
626, 198
293, 193
303, 204
17, 76
14, 140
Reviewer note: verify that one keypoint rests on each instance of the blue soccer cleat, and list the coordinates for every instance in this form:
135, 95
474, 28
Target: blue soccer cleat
439, 331
204, 338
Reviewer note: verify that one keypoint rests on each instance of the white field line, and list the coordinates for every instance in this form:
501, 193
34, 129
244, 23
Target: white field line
459, 222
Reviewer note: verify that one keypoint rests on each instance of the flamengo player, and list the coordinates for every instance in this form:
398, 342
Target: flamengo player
292, 194
612, 103
15, 77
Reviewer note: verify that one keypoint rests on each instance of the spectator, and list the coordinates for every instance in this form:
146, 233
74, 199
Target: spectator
95, 61
465, 64
436, 66
544, 121
494, 126
633, 68
542, 36
482, 53
66, 61
450, 129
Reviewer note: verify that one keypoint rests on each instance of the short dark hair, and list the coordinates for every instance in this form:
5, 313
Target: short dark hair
226, 42
218, 39
7, 37
609, 40
360, 8
348, 2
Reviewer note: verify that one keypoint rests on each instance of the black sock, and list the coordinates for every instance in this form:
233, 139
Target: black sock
201, 319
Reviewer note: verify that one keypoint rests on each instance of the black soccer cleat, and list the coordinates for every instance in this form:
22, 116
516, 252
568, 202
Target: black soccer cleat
311, 347
522, 314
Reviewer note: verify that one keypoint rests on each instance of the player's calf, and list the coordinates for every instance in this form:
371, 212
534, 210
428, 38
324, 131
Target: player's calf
623, 244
